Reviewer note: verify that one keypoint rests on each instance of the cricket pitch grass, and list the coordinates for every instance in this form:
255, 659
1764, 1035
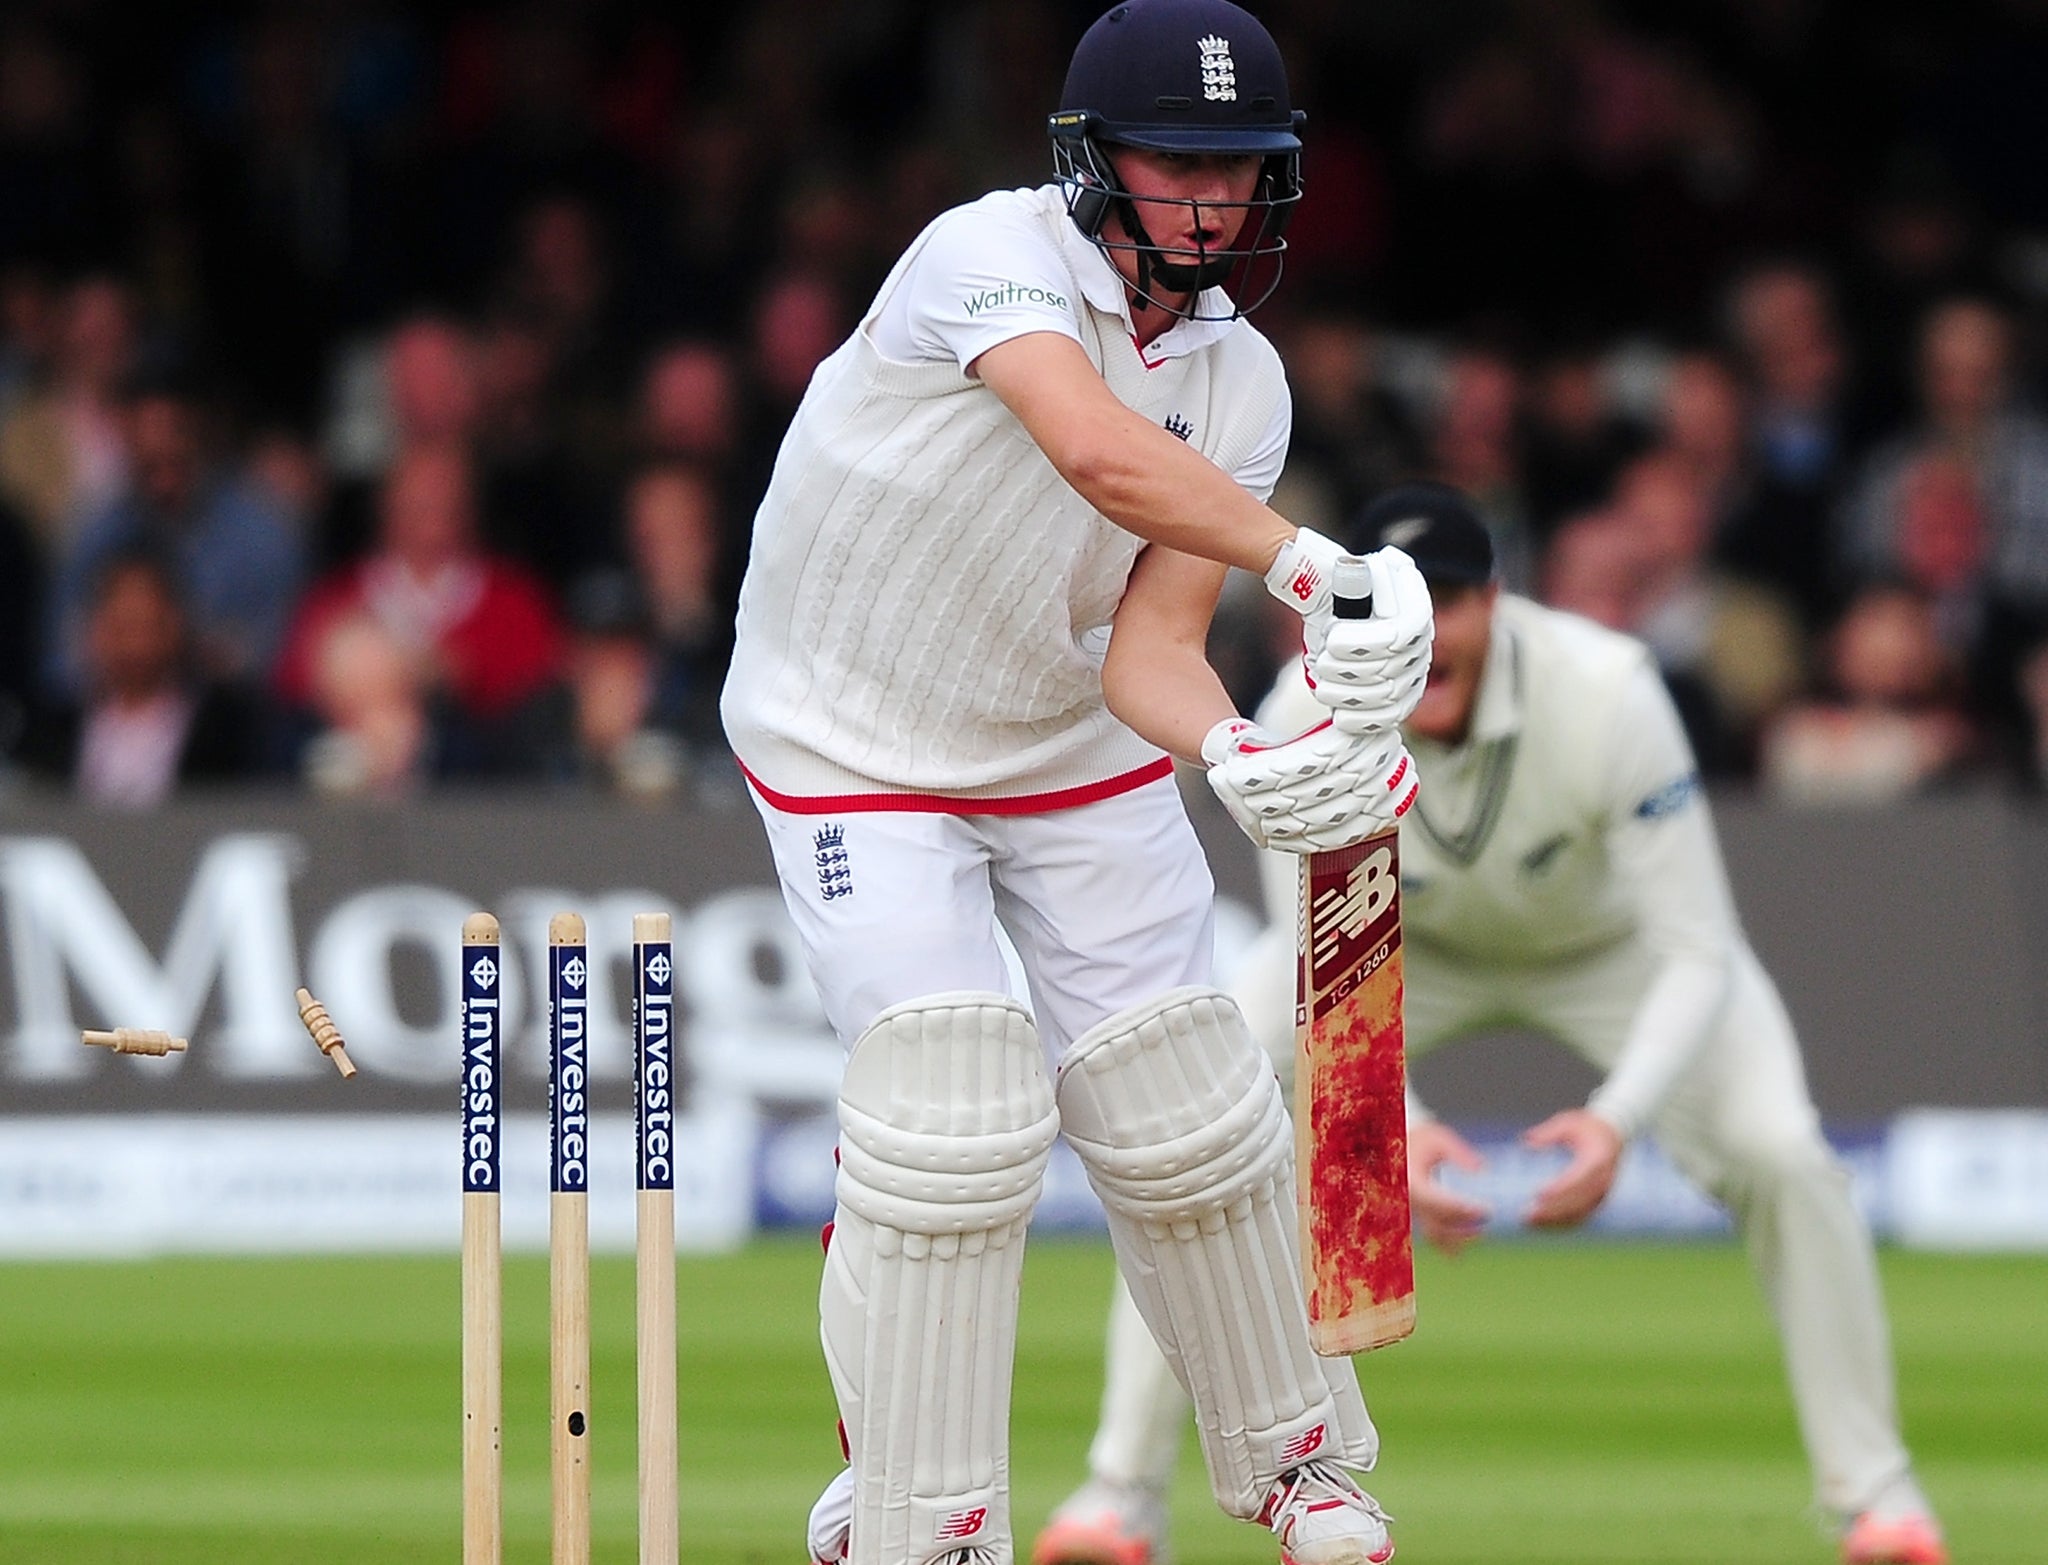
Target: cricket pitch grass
1559, 1402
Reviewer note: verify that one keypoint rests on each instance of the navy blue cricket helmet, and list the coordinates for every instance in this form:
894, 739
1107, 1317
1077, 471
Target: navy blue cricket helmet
1200, 76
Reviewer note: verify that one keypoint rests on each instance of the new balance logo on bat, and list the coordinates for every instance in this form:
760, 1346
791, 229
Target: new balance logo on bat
1346, 914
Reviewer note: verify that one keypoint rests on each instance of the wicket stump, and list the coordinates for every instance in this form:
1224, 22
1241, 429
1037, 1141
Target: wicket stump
482, 1275
569, 977
655, 1217
569, 1237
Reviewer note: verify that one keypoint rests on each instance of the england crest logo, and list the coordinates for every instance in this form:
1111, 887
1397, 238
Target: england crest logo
1219, 71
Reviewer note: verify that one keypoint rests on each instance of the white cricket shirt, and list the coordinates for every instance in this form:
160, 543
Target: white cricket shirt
927, 603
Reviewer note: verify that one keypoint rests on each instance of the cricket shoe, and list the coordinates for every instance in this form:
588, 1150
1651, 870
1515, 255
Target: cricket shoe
1875, 1538
1103, 1523
1322, 1518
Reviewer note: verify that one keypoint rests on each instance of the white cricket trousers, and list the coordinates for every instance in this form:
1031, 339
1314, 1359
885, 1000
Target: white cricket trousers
1108, 905
1741, 1125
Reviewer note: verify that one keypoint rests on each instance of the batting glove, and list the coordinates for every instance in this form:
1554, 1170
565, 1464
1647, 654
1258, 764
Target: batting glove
1303, 576
1322, 789
1370, 672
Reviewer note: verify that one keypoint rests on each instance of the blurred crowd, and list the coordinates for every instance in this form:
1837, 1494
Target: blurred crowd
386, 391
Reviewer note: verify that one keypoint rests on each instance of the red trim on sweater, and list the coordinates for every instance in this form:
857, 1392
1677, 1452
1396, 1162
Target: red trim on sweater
948, 804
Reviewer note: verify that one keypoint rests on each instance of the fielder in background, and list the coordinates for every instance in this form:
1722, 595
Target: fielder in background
1561, 874
970, 643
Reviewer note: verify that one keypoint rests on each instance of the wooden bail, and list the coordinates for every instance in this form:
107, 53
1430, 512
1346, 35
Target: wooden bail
323, 1031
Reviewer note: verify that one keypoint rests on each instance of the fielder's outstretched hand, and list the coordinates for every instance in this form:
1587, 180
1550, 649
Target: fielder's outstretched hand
1576, 1193
1449, 1221
1370, 672
1321, 789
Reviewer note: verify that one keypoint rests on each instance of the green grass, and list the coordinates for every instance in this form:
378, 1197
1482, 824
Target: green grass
1559, 1403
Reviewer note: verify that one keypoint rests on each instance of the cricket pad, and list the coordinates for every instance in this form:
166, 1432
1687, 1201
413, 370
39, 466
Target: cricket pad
1179, 1121
946, 1124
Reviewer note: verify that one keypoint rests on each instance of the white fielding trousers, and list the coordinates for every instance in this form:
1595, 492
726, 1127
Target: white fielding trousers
1108, 905
1740, 1124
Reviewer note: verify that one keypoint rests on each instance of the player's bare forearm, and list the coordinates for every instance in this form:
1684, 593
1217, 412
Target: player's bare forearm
1157, 678
1131, 470
1174, 708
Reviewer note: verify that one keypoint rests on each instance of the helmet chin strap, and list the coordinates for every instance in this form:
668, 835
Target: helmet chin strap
1182, 277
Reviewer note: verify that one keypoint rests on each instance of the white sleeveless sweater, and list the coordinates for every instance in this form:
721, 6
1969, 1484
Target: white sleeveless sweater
926, 601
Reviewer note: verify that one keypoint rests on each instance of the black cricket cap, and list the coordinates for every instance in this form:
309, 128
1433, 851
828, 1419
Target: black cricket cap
1182, 76
1434, 525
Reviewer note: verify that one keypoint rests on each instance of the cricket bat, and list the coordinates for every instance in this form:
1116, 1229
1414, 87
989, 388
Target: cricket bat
1350, 1113
1350, 1080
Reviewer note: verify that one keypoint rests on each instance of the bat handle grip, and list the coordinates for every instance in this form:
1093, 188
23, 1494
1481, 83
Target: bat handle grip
1351, 589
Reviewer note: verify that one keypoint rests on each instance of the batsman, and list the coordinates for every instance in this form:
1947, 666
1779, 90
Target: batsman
1561, 874
970, 647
